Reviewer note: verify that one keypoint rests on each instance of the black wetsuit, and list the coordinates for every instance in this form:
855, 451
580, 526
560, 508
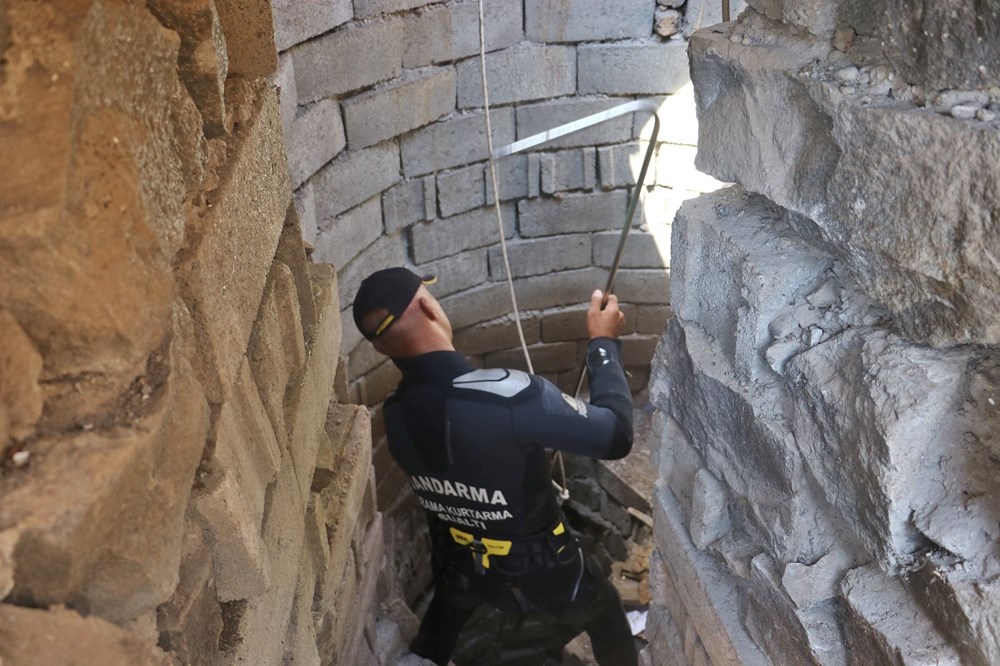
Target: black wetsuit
473, 443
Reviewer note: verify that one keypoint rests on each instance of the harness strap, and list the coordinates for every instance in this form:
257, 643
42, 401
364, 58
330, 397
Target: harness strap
482, 548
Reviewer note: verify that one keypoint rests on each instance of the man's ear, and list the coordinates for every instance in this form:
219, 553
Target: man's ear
428, 308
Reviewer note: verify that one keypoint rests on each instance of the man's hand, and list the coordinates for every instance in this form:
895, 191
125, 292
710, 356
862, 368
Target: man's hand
606, 323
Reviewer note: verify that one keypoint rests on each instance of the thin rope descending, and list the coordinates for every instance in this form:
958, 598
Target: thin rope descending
496, 188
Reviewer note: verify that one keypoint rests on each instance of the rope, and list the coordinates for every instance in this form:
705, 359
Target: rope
496, 188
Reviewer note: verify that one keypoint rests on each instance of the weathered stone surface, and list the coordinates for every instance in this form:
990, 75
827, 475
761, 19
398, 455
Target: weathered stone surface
619, 165
846, 165
642, 250
455, 141
947, 45
449, 32
542, 255
651, 68
20, 394
809, 585
461, 190
76, 545
223, 277
477, 228
249, 29
316, 136
518, 74
573, 213
328, 65
399, 106
498, 334
386, 251
349, 233
583, 21
709, 520
61, 636
296, 21
887, 626
355, 177
405, 203
514, 178
569, 170
536, 118
700, 14
370, 8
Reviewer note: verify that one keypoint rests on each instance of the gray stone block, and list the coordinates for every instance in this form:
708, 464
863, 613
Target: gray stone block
700, 14
574, 213
355, 177
403, 204
454, 276
813, 584
545, 358
288, 98
647, 68
568, 170
477, 228
635, 285
484, 303
449, 32
619, 165
947, 45
536, 118
499, 334
316, 137
369, 8
709, 510
586, 21
349, 233
328, 65
512, 178
540, 256
678, 120
652, 319
461, 190
519, 74
305, 208
642, 250
411, 102
296, 21
458, 140
827, 156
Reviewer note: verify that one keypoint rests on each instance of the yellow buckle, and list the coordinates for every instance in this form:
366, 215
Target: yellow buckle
496, 547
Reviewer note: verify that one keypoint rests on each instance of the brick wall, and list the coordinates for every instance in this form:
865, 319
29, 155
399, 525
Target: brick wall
179, 480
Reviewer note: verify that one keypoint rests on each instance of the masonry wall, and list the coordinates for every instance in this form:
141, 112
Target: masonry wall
183, 479
826, 393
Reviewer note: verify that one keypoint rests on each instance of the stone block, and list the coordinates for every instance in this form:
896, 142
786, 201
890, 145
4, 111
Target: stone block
328, 66
536, 118
646, 68
405, 203
455, 141
355, 177
223, 277
679, 120
634, 285
292, 253
276, 352
386, 251
497, 334
284, 80
245, 460
202, 61
483, 303
415, 100
348, 234
950, 45
659, 205
518, 74
568, 170
364, 9
295, 21
600, 211
885, 624
364, 359
61, 636
300, 640
20, 394
566, 324
450, 32
71, 541
827, 151
709, 520
249, 29
461, 190
811, 584
582, 21
638, 349
540, 256
316, 137
705, 590
305, 209
307, 401
454, 276
642, 250
376, 386
619, 165
445, 237
652, 319
388, 641
545, 357
265, 620
513, 177
819, 19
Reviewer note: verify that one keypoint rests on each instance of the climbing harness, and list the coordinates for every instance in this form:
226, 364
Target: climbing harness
536, 551
537, 140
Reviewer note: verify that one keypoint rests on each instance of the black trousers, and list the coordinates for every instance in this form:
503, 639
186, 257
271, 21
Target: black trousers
571, 589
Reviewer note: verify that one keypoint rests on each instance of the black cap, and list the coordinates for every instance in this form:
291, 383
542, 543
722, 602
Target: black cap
390, 288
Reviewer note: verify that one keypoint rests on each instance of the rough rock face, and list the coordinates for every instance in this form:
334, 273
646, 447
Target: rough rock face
827, 391
176, 485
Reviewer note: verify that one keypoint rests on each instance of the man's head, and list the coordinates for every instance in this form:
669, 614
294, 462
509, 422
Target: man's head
395, 311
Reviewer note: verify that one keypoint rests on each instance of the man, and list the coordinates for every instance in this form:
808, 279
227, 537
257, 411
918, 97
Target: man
473, 443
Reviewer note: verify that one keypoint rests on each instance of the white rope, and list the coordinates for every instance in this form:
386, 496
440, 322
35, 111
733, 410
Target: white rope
496, 188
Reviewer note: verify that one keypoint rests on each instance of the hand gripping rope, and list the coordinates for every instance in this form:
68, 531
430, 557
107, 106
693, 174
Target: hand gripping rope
538, 140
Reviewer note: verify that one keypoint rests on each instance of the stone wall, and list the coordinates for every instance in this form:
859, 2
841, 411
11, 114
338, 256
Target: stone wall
180, 480
827, 392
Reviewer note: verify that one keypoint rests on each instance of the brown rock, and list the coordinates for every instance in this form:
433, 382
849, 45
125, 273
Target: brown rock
292, 253
20, 395
249, 29
61, 636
